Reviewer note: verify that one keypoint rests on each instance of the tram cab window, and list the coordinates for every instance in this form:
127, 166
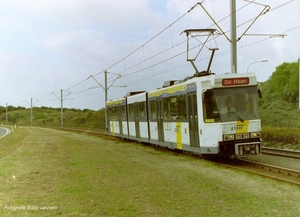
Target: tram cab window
233, 104
175, 108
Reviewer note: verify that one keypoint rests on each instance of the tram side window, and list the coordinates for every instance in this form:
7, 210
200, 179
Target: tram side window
175, 107
142, 111
152, 110
182, 107
113, 113
130, 112
123, 112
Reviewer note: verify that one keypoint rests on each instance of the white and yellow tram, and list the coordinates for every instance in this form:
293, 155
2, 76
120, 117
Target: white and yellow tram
208, 115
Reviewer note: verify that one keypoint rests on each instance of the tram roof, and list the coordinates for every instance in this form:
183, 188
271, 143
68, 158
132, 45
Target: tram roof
205, 82
115, 102
208, 82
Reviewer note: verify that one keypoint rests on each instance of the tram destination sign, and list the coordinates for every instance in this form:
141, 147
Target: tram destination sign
235, 81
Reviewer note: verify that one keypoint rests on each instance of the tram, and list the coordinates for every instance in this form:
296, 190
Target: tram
207, 115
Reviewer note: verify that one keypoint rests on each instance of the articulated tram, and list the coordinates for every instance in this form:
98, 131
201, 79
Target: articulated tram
207, 115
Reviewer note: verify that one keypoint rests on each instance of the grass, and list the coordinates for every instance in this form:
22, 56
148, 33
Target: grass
79, 175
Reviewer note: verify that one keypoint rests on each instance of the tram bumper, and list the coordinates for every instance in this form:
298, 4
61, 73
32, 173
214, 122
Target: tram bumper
251, 148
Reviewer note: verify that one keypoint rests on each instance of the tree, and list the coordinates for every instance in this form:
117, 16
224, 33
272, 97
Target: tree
279, 105
284, 82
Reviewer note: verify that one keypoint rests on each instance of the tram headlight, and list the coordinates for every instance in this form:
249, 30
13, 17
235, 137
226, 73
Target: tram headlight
228, 137
255, 135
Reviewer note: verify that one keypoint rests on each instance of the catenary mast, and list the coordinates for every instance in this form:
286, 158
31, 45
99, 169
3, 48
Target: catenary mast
233, 36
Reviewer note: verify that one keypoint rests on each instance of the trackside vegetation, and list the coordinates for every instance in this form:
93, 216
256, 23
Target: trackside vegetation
47, 116
279, 106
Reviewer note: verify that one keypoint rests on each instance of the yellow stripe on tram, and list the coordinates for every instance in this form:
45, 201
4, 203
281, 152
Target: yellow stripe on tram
242, 127
178, 135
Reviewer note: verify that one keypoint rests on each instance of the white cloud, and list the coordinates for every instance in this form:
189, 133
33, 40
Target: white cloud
47, 45
122, 13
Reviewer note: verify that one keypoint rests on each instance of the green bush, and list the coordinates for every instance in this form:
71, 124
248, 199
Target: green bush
283, 136
45, 116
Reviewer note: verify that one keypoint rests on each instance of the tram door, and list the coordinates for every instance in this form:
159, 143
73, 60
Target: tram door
136, 120
193, 120
120, 118
160, 123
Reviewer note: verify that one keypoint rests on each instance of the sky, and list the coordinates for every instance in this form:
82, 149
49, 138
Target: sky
56, 51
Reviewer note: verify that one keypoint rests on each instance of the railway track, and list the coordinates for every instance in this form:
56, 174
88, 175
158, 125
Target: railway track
274, 172
281, 152
101, 134
261, 169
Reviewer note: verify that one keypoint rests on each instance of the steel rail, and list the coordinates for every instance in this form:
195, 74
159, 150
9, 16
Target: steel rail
265, 170
281, 152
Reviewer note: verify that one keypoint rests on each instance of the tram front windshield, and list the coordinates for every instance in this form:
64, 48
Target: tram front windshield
231, 104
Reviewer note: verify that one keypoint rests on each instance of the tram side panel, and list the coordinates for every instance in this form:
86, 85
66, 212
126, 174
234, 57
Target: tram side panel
176, 129
123, 120
137, 117
117, 119
210, 129
168, 117
153, 126
112, 116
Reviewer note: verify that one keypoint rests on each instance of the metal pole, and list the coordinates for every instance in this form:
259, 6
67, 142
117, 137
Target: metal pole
299, 79
261, 61
233, 36
30, 111
6, 115
61, 109
105, 89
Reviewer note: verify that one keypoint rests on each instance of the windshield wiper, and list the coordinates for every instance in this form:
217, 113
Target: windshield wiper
238, 116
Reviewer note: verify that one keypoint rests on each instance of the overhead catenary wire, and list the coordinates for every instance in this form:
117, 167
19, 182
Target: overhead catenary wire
153, 57
224, 32
172, 45
129, 68
219, 54
149, 40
